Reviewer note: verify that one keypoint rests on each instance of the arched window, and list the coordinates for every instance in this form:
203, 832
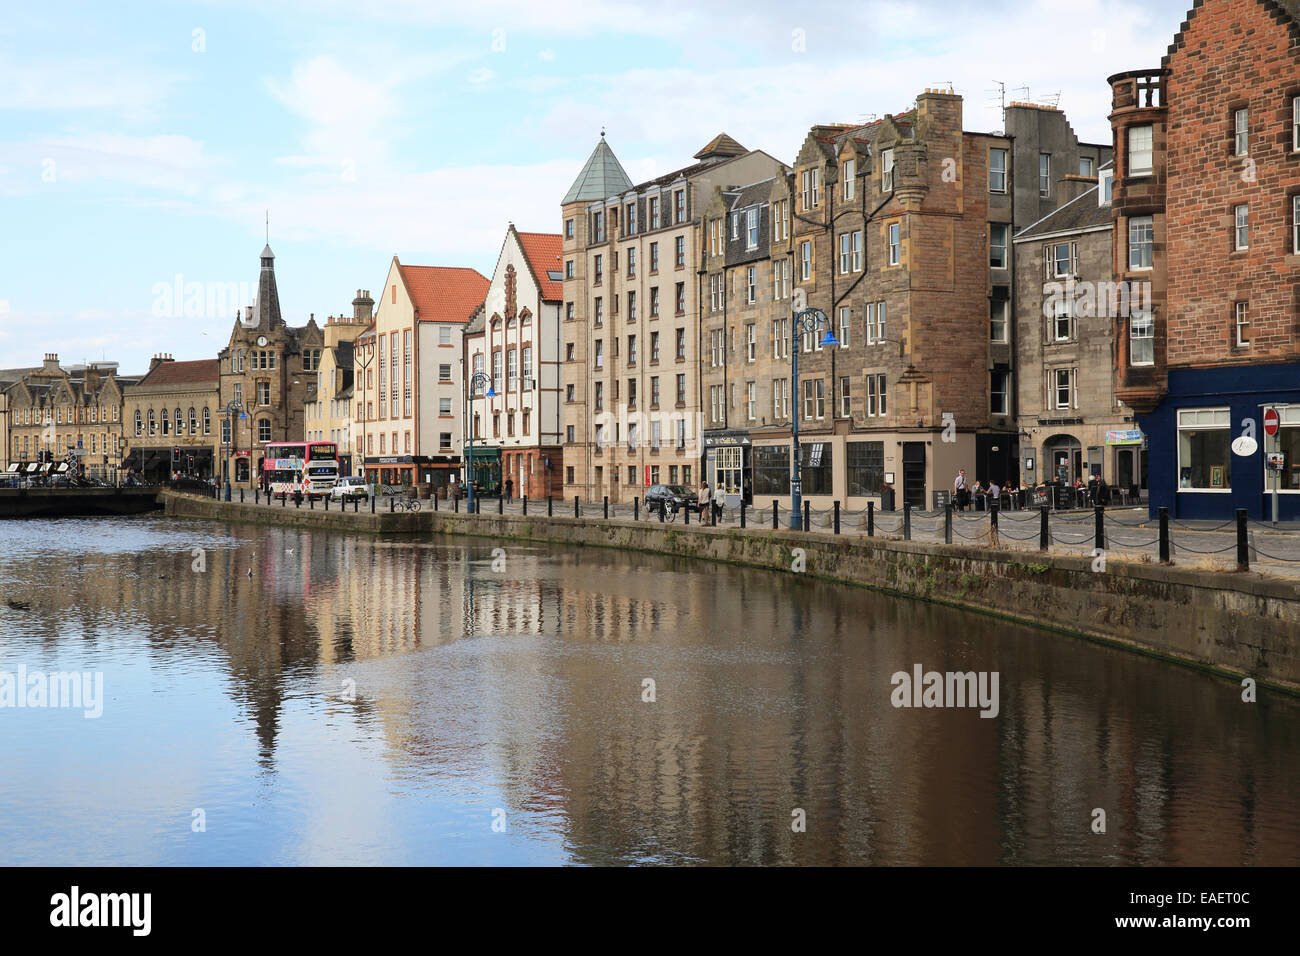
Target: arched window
207, 421
180, 424
166, 422
139, 425
194, 422
153, 429
264, 430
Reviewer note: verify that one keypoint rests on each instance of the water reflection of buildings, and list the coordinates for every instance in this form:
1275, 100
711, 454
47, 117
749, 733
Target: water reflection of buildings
772, 694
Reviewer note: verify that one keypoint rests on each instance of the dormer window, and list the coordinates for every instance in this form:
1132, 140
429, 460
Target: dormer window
886, 170
1105, 186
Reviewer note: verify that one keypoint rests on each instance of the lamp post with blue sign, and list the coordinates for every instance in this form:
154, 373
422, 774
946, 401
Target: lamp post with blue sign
476, 383
809, 322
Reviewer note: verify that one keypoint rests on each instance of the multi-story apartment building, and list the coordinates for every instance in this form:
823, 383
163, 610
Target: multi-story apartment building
1071, 424
899, 232
515, 341
71, 415
329, 417
266, 373
631, 328
408, 373
1207, 210
8, 376
172, 419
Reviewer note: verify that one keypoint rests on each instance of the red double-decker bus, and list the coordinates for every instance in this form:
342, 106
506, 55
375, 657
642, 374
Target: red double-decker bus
309, 467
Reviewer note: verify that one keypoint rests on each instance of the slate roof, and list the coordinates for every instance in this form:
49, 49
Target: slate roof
602, 176
198, 372
445, 293
1082, 212
721, 145
543, 252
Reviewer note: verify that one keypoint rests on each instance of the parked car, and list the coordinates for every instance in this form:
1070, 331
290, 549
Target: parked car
348, 489
672, 497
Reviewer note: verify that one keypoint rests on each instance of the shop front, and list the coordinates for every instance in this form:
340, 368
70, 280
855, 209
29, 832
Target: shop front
728, 466
486, 466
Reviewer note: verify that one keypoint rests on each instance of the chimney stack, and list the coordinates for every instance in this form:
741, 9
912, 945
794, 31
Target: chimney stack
363, 306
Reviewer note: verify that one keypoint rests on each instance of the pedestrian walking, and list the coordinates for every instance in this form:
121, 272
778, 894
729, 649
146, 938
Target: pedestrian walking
510, 491
705, 500
961, 494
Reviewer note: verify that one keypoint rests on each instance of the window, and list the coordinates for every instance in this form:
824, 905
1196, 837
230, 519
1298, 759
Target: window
654, 212
600, 353
568, 229
630, 224
444, 406
681, 389
751, 284
680, 251
998, 310
998, 234
716, 348
846, 320
1062, 379
600, 396
805, 260
568, 351
1241, 319
1139, 151
1085, 166
568, 392
631, 306
880, 393
1141, 242
654, 346
654, 302
1044, 174
1105, 186
444, 338
681, 345
847, 174
865, 464
264, 430
599, 313
780, 278
680, 298
751, 342
568, 269
871, 396
568, 474
654, 392
496, 370
264, 393
444, 372
780, 338
815, 468
845, 253
808, 193
875, 323
1241, 227
1142, 342
735, 225
886, 170
679, 205
598, 226
717, 292
139, 424
997, 170
1204, 458
855, 262
844, 397
814, 399
771, 471
781, 222
207, 422
1241, 131
631, 350
631, 261
998, 392
715, 403
598, 268
444, 438
780, 398
893, 243
1295, 222
1062, 319
631, 445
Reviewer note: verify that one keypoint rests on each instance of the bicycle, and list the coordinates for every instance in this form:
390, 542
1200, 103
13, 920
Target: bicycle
407, 504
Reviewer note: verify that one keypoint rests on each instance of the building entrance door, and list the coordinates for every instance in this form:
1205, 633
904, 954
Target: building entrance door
914, 474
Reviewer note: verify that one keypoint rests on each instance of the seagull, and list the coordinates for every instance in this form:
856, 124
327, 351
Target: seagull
288, 550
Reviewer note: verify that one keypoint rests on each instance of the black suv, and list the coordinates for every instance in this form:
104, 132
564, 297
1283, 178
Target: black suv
670, 499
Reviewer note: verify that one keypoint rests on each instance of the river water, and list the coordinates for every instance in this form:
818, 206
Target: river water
356, 700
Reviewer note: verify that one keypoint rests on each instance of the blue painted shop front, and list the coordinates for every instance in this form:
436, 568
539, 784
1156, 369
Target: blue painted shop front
1210, 489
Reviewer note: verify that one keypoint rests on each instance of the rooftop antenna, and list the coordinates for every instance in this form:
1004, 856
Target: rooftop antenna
1001, 91
1026, 89
1054, 100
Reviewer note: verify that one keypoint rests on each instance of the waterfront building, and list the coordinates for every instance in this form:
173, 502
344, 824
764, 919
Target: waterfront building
268, 369
1207, 210
899, 230
8, 376
515, 340
633, 272
330, 418
172, 420
408, 378
1071, 424
72, 415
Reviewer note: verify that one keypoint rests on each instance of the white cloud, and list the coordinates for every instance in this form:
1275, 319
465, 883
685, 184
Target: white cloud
169, 162
481, 75
547, 56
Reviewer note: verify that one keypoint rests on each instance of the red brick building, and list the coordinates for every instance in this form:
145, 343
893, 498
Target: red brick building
1207, 209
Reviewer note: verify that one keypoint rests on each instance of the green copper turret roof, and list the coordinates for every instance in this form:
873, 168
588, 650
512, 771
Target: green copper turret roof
601, 177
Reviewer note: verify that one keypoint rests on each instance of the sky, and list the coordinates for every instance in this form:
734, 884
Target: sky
143, 146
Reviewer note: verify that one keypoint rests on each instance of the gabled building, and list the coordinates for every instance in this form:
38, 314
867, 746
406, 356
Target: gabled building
633, 269
8, 377
1206, 210
172, 420
330, 417
267, 372
71, 415
515, 341
408, 376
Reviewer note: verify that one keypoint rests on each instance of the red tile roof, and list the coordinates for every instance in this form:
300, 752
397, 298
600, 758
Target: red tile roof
543, 252
445, 293
198, 372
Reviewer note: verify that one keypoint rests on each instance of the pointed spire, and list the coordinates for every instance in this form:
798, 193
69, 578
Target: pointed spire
266, 310
602, 176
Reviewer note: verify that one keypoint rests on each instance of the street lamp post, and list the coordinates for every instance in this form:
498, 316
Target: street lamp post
476, 382
234, 405
805, 321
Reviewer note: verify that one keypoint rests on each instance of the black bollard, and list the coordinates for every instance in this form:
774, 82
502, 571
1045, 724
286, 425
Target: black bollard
807, 525
636, 509
871, 519
525, 506
907, 522
548, 506
1164, 535
742, 512
501, 506
606, 507
947, 523
775, 507
1044, 529
577, 509
837, 517
993, 514
1243, 543
1099, 528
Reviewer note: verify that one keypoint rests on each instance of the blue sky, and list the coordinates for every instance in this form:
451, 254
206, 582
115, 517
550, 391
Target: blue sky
144, 141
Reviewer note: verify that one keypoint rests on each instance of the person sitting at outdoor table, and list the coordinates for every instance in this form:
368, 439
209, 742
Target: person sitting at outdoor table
980, 493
